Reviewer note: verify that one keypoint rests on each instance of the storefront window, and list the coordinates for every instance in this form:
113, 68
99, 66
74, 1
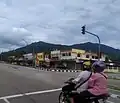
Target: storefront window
87, 56
78, 55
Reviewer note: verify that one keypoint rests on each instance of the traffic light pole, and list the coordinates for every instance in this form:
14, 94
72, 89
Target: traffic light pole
99, 43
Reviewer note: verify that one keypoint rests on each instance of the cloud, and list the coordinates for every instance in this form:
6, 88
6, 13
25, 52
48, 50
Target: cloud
14, 37
113, 43
58, 21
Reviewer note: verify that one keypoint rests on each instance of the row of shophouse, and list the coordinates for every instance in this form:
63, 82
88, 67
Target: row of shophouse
71, 58
66, 59
71, 54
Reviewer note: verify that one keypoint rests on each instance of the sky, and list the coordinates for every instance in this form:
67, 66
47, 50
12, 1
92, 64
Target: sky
58, 21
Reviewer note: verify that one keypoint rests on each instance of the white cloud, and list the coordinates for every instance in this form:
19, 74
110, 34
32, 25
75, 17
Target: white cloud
113, 43
58, 21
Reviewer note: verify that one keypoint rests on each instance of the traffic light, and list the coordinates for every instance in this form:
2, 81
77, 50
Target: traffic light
83, 30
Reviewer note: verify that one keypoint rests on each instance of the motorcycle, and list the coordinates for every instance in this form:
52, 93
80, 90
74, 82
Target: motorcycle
70, 89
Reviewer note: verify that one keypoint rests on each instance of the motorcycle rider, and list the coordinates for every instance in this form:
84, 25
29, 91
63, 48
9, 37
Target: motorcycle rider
83, 76
97, 84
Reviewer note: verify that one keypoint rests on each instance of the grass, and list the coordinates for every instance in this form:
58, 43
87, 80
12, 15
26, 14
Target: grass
114, 87
114, 78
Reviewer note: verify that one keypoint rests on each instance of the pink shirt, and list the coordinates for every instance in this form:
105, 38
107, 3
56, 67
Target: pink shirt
97, 84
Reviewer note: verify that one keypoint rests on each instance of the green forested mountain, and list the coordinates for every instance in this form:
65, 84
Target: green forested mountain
40, 46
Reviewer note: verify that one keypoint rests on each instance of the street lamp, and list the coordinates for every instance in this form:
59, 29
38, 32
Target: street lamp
84, 31
1, 56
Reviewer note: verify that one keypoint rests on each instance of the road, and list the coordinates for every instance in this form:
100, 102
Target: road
26, 85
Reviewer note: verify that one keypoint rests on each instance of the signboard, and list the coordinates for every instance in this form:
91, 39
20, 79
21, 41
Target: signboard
40, 56
78, 51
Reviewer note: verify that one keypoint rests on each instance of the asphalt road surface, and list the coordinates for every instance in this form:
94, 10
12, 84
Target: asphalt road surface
26, 85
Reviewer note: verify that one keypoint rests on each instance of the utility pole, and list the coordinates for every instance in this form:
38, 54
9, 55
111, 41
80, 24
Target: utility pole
1, 56
84, 31
34, 57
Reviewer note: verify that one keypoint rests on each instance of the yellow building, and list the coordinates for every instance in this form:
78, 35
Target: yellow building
40, 56
71, 54
78, 51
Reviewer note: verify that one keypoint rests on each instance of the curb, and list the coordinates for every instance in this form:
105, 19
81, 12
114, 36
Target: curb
59, 70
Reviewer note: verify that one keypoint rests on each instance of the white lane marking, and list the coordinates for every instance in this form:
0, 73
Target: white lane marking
110, 102
6, 100
46, 91
31, 93
12, 96
114, 96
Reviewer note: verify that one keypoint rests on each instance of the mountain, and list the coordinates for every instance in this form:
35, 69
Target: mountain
113, 54
40, 46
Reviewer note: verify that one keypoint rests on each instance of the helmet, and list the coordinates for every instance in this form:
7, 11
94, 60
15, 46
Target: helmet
98, 66
87, 65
